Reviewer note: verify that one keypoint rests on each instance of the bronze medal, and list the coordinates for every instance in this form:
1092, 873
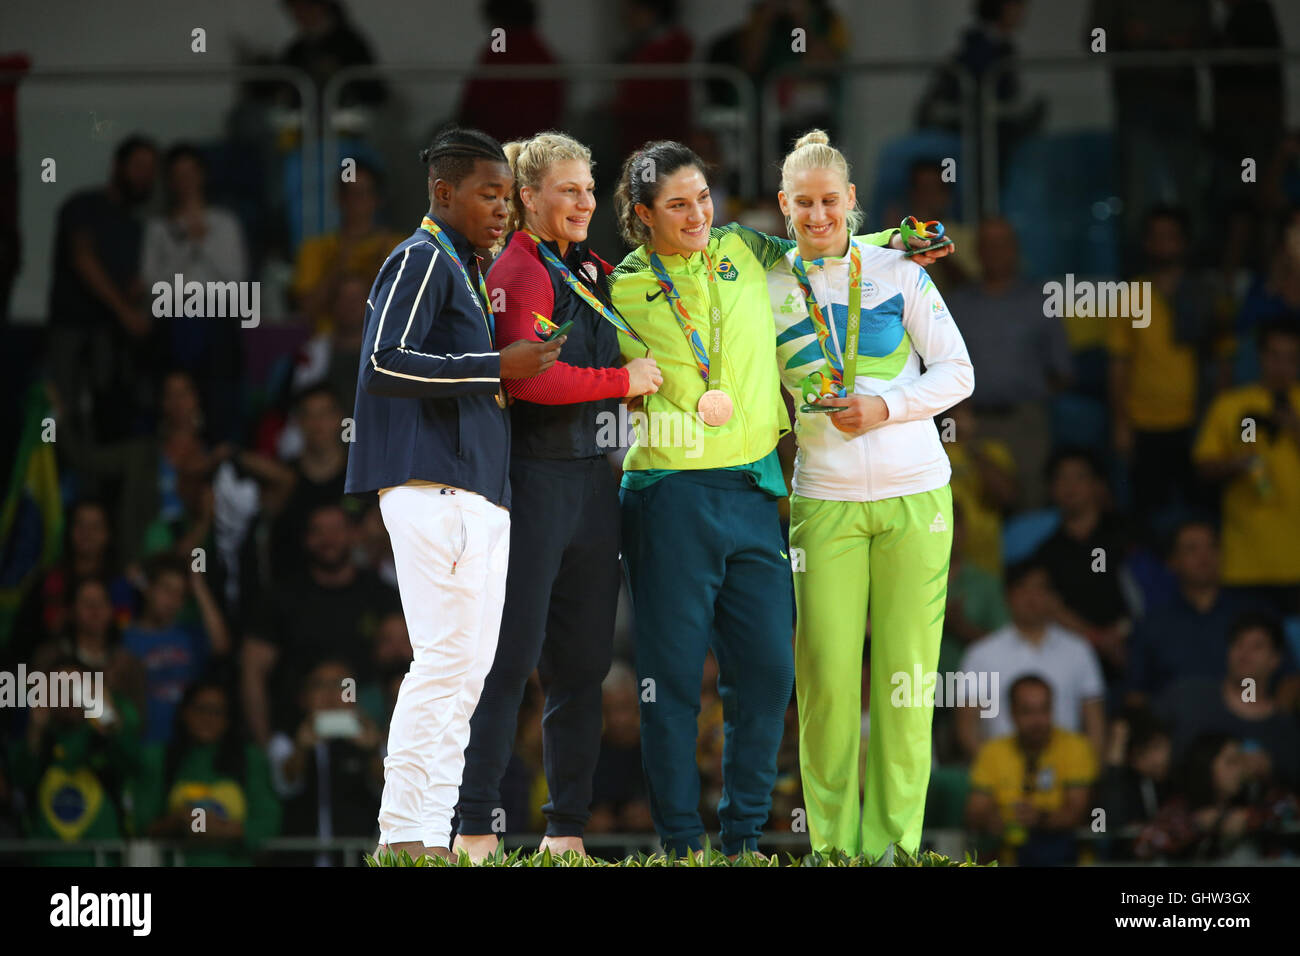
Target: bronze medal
714, 407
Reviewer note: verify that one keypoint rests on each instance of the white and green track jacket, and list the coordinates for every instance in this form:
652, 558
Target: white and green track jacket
904, 322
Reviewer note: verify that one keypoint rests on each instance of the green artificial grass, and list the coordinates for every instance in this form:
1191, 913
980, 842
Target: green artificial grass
711, 857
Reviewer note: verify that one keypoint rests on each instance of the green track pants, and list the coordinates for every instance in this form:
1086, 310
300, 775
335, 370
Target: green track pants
890, 558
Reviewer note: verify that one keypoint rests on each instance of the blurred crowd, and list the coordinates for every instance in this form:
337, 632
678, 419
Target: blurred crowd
1127, 494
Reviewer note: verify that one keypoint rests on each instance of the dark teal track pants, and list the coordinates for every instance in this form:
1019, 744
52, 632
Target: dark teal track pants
707, 567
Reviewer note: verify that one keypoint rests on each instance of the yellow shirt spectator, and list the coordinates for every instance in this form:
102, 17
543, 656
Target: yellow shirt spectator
1162, 372
325, 259
999, 770
1261, 508
983, 546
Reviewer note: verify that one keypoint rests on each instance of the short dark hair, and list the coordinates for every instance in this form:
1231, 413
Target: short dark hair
1144, 729
129, 145
184, 151
990, 11
1074, 453
1015, 573
1186, 524
1027, 680
364, 168
925, 165
1166, 210
1271, 328
156, 565
1259, 621
455, 150
311, 391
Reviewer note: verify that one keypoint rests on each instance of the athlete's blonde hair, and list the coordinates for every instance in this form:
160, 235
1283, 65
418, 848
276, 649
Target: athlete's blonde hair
530, 159
813, 150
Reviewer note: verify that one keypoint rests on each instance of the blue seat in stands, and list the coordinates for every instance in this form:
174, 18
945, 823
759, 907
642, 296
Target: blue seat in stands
1058, 194
896, 158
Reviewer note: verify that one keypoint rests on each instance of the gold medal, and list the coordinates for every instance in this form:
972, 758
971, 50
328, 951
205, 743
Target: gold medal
714, 407
501, 399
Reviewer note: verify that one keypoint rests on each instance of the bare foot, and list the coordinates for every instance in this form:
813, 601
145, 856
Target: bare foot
479, 846
561, 844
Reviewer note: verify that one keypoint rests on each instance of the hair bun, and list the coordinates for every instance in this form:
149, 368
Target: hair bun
814, 137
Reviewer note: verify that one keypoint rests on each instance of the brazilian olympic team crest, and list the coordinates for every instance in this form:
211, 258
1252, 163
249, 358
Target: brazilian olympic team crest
726, 270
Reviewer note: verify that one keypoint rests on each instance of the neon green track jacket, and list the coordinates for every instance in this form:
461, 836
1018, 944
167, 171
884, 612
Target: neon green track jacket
749, 373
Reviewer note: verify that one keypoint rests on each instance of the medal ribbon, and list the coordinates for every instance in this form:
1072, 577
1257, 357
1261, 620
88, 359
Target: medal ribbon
846, 371
710, 362
429, 226
580, 290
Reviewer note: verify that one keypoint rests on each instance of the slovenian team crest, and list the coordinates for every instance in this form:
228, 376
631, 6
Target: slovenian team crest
726, 270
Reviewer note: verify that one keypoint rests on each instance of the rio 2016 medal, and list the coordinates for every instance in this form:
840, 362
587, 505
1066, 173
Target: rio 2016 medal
714, 407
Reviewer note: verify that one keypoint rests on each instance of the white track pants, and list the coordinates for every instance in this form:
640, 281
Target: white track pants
453, 618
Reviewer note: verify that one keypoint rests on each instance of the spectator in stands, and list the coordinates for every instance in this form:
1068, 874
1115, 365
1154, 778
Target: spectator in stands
983, 484
1157, 121
173, 654
803, 99
317, 476
330, 358
1033, 644
986, 49
326, 43
1031, 788
182, 495
73, 770
1134, 782
1242, 705
201, 243
645, 110
390, 653
374, 550
87, 554
931, 196
1155, 373
975, 604
975, 609
1248, 106
330, 771
535, 104
99, 321
207, 787
1273, 296
1085, 557
358, 248
1213, 810
92, 637
619, 802
329, 613
1250, 443
1023, 357
1187, 637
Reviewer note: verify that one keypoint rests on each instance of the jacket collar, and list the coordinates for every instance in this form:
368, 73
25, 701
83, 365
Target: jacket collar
576, 255
458, 242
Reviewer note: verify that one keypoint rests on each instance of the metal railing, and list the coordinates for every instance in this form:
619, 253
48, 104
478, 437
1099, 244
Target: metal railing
696, 73
990, 113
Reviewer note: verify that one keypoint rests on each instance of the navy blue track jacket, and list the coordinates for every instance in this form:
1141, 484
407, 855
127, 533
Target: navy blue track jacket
426, 403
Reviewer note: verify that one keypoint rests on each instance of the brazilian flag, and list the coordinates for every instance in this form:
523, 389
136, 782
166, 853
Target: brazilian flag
31, 524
